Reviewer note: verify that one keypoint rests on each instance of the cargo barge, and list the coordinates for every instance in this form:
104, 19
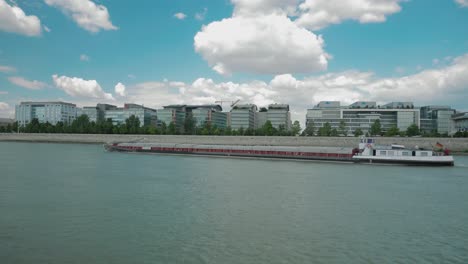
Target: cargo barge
271, 152
367, 152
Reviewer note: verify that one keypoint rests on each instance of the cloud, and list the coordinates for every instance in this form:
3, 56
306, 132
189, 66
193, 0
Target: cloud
120, 89
85, 13
445, 85
22, 82
269, 44
4, 106
255, 7
14, 20
201, 15
462, 3
84, 57
3, 92
317, 14
180, 16
5, 110
7, 69
77, 87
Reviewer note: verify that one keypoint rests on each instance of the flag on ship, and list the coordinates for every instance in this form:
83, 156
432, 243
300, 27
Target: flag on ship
439, 146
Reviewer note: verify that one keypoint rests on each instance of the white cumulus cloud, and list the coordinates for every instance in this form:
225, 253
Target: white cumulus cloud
78, 87
252, 7
180, 16
444, 85
317, 14
22, 82
13, 19
4, 106
84, 57
120, 89
201, 15
462, 3
7, 69
87, 14
270, 44
6, 110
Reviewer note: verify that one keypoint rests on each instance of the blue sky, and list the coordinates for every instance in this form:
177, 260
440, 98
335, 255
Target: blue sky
286, 51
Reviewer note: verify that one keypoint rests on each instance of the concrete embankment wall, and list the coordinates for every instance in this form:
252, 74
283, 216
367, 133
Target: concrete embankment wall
455, 144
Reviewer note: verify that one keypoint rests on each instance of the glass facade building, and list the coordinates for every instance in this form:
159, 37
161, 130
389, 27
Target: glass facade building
243, 116
147, 116
277, 114
361, 115
460, 122
52, 112
212, 115
437, 119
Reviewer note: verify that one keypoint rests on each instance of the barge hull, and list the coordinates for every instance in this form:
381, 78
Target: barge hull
336, 157
432, 163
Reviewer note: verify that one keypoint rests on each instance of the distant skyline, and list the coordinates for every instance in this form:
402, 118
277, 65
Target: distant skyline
298, 52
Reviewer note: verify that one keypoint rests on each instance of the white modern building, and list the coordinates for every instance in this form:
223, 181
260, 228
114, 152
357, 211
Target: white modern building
243, 116
437, 119
147, 116
460, 122
212, 114
361, 115
277, 114
52, 112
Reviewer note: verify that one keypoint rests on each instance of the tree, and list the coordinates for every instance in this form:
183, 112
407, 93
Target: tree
172, 129
376, 128
190, 125
326, 130
163, 128
132, 124
296, 128
80, 125
228, 131
282, 130
310, 129
342, 128
412, 130
334, 132
33, 126
241, 131
358, 132
59, 127
393, 131
268, 129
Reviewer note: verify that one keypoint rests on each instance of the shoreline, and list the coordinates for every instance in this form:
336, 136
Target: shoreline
458, 146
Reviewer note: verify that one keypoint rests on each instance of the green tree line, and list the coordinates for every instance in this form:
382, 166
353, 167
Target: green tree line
82, 125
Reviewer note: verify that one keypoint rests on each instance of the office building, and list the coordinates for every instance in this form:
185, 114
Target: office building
96, 113
6, 121
243, 116
361, 115
460, 122
277, 114
212, 114
173, 114
52, 112
437, 119
147, 116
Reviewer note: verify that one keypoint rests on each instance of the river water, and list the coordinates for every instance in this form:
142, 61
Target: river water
70, 203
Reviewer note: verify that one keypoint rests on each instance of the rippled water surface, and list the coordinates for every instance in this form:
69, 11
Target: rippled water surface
64, 203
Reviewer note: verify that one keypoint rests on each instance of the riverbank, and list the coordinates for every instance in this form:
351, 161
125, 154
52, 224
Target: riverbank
459, 145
